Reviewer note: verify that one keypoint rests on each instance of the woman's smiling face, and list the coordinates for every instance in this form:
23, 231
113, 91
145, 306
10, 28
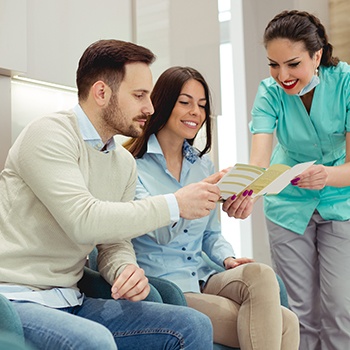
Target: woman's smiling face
291, 65
188, 114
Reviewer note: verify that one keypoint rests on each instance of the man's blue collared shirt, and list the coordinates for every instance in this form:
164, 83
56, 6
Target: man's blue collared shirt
89, 133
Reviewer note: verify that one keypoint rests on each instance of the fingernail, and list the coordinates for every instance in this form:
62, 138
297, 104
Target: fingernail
115, 296
250, 193
245, 193
233, 197
295, 181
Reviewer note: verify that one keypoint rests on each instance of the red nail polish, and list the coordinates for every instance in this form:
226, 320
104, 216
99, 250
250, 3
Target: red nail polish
233, 197
250, 193
245, 193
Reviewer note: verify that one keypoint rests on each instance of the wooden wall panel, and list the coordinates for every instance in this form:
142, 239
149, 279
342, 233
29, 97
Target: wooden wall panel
339, 35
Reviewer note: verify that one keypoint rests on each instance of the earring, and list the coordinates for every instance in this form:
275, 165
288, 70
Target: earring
316, 71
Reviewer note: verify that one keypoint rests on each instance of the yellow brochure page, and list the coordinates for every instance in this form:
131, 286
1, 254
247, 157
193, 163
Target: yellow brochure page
238, 179
279, 182
272, 173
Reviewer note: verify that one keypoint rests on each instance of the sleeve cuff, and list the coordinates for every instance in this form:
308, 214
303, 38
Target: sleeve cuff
173, 207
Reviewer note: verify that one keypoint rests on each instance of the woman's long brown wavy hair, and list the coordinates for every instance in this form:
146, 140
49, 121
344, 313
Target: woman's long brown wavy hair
164, 96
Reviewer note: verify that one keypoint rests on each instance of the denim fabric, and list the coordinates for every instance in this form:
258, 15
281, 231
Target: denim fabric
110, 324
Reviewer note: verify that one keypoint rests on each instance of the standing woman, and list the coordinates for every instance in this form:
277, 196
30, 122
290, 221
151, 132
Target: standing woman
307, 101
243, 301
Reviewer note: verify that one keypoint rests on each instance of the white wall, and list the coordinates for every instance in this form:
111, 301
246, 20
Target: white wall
58, 31
13, 59
44, 40
152, 30
184, 33
5, 117
42, 99
195, 41
13, 43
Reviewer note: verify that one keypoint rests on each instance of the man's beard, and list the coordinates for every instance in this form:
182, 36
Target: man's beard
116, 122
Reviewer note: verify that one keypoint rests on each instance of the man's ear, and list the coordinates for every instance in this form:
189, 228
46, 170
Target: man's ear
101, 93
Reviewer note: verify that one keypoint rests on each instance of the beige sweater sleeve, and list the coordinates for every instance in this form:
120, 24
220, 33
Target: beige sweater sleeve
84, 189
113, 258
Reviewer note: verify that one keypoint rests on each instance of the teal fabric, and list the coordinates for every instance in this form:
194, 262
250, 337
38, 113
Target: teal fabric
94, 285
11, 332
11, 341
223, 347
302, 136
169, 292
283, 292
9, 320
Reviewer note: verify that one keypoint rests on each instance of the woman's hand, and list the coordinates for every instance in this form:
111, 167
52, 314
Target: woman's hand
231, 263
314, 178
239, 208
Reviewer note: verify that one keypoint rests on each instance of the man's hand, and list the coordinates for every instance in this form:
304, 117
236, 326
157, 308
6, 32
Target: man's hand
197, 200
131, 284
214, 178
239, 208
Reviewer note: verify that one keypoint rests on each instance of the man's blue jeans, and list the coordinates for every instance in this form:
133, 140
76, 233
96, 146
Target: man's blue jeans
115, 324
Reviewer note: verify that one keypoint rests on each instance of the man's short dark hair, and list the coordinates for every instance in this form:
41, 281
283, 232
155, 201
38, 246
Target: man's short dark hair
105, 60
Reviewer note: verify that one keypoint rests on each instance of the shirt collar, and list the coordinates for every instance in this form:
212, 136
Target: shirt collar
89, 133
189, 152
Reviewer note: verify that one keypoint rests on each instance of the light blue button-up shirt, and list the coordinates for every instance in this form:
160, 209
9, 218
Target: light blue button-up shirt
302, 136
89, 133
174, 252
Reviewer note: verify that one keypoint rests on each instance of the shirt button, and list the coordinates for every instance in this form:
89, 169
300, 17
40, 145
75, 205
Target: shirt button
183, 248
189, 258
193, 274
315, 145
185, 231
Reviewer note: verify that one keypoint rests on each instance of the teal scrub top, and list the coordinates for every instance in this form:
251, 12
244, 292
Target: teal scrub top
302, 136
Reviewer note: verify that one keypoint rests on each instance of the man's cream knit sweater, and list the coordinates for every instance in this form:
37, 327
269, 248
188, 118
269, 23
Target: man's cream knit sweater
59, 198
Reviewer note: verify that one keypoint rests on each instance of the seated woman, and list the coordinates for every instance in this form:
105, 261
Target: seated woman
243, 301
